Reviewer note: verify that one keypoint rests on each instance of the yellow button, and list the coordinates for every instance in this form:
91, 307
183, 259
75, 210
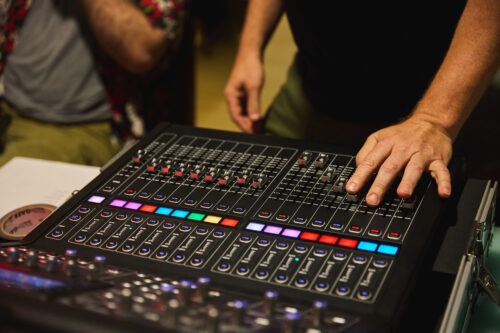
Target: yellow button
212, 219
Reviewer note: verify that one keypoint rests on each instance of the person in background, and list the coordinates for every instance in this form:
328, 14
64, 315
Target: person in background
74, 74
397, 79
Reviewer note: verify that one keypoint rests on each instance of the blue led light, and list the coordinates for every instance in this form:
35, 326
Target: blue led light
180, 213
163, 210
387, 249
367, 246
255, 226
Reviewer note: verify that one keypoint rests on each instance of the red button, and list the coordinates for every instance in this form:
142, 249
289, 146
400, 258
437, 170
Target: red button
328, 239
148, 208
310, 236
348, 242
230, 222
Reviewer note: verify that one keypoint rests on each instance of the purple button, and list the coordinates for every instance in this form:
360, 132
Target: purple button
133, 205
292, 233
271, 229
118, 203
96, 199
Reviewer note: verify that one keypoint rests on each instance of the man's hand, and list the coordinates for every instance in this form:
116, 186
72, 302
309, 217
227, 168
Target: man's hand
416, 145
242, 92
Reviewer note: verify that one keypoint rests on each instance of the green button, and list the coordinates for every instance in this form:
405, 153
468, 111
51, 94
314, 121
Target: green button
196, 216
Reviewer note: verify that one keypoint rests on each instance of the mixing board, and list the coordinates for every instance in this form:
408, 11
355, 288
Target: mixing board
202, 230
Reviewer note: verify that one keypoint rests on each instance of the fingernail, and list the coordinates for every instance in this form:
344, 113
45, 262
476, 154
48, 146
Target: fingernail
351, 186
372, 199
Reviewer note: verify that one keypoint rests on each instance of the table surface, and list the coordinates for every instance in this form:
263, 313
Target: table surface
486, 318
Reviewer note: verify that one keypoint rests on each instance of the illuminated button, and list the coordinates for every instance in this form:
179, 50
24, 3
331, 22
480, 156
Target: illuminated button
321, 286
282, 217
359, 259
144, 194
163, 211
168, 225
281, 278
264, 214
299, 220
95, 241
201, 231
222, 207
387, 249
364, 294
129, 192
263, 242
80, 238
190, 202
261, 275
148, 208
96, 199
300, 249
196, 216
152, 222
121, 216
355, 229
144, 251
57, 233
336, 226
160, 254
223, 267
212, 219
367, 246
380, 263
346, 242
242, 270
271, 229
206, 204
75, 217
196, 261
292, 233
310, 236
136, 219
83, 210
184, 228
179, 258
328, 239
318, 223
340, 256
319, 252
106, 213
219, 234
342, 290
301, 282
159, 197
127, 248
230, 222
111, 244
254, 226
174, 199
108, 188
133, 205
394, 235
281, 245
179, 213
117, 203
245, 239
374, 232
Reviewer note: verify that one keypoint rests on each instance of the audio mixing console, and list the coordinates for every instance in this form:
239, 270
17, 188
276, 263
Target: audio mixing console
197, 230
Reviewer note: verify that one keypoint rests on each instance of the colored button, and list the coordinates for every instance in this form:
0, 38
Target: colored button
299, 220
387, 249
163, 211
271, 229
346, 242
255, 226
230, 222
96, 199
117, 203
129, 192
328, 239
264, 214
367, 246
310, 236
206, 204
292, 233
282, 217
180, 213
133, 205
159, 197
148, 208
196, 216
212, 219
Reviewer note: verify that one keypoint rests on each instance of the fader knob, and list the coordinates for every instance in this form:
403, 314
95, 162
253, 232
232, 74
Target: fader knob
203, 288
211, 175
32, 258
70, 267
258, 181
12, 255
304, 159
213, 317
70, 254
318, 313
152, 165
166, 167
321, 160
185, 292
270, 298
124, 305
137, 158
292, 322
51, 264
239, 311
99, 262
172, 312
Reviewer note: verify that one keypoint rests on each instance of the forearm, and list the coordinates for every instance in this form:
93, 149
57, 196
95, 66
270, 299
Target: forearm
261, 19
125, 33
471, 61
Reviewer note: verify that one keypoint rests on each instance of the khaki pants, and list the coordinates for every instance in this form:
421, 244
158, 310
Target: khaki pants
83, 143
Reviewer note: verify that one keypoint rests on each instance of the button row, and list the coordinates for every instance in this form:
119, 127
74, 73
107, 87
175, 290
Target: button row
322, 238
166, 211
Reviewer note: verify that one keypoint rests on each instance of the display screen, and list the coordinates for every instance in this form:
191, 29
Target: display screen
26, 282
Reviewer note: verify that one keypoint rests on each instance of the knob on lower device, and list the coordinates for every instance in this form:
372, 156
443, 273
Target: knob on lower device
270, 298
318, 313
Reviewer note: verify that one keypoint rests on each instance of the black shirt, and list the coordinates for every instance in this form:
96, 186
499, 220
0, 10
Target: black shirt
370, 60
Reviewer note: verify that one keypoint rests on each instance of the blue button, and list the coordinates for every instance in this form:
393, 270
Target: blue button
387, 249
163, 210
180, 213
367, 246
